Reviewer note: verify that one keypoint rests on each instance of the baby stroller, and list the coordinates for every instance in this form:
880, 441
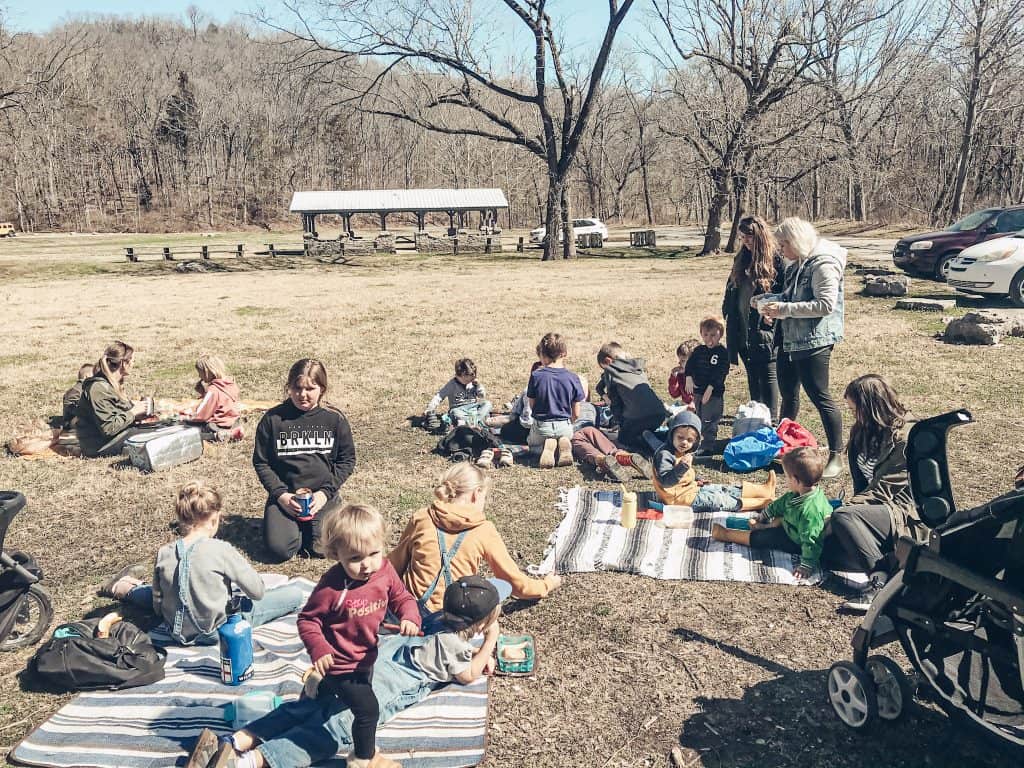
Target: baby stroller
956, 605
25, 607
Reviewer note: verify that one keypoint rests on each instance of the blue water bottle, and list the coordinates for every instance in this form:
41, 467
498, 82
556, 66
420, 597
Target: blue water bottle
235, 647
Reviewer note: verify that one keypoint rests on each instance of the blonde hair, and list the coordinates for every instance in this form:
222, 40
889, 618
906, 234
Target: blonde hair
210, 367
460, 479
476, 627
115, 358
86, 371
197, 502
801, 235
351, 528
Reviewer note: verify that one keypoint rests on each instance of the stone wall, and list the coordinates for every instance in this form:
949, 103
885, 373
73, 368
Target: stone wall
333, 249
466, 243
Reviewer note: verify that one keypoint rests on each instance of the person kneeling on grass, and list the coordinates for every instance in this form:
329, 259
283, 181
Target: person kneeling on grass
676, 482
795, 522
317, 727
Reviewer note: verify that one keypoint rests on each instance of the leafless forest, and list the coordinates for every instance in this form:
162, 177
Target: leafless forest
876, 110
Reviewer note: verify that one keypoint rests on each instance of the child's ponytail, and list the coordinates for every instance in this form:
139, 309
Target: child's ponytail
197, 502
458, 480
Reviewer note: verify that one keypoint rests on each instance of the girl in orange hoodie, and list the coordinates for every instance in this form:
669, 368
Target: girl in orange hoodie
454, 524
218, 411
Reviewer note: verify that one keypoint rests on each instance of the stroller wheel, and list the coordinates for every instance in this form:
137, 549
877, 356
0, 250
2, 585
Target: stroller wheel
34, 616
892, 688
851, 692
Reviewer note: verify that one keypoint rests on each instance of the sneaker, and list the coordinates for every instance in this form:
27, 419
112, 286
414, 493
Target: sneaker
121, 583
641, 465
204, 750
505, 457
486, 458
547, 455
236, 434
862, 602
613, 469
564, 452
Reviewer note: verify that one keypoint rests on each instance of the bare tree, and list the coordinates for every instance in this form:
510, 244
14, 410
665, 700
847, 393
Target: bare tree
440, 53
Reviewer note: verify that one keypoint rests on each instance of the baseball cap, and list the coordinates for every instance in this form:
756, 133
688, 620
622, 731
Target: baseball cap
472, 598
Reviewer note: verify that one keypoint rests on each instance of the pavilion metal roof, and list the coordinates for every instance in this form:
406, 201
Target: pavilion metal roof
405, 200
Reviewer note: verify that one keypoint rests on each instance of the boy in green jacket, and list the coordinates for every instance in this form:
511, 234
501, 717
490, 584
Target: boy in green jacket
794, 522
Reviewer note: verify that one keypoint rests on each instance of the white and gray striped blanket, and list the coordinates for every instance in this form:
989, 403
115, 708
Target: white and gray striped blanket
156, 726
590, 539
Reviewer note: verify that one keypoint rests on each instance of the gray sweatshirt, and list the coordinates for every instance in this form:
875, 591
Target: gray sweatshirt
214, 566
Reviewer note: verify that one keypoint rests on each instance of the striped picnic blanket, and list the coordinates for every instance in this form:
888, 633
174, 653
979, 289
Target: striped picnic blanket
157, 725
590, 539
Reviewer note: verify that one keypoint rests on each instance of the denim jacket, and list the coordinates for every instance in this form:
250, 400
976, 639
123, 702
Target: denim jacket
812, 301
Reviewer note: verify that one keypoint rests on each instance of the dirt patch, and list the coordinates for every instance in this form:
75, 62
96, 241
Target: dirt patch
630, 667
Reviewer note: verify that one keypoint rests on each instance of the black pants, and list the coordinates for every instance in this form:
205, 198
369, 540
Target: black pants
356, 691
631, 431
285, 536
856, 538
812, 373
763, 383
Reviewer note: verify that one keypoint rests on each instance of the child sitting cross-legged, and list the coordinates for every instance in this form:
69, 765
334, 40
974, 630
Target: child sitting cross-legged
467, 399
218, 409
316, 728
794, 522
676, 482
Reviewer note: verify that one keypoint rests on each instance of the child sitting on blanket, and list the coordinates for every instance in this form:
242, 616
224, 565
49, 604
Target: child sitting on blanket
316, 728
194, 576
455, 524
676, 482
73, 395
218, 411
467, 403
795, 522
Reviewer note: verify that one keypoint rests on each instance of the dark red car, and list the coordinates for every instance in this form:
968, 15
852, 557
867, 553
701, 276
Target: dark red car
930, 253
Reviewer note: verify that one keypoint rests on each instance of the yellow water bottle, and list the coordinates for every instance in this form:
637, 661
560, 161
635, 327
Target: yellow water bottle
628, 517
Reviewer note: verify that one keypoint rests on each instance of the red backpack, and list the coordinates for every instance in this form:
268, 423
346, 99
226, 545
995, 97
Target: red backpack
794, 436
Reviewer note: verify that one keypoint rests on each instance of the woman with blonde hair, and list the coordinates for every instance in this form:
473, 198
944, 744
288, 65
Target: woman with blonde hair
810, 315
105, 414
757, 269
452, 537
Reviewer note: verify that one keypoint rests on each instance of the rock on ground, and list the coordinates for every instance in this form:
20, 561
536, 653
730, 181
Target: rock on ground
983, 327
886, 285
926, 305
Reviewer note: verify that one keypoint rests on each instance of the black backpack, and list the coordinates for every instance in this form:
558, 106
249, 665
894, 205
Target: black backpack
464, 442
74, 659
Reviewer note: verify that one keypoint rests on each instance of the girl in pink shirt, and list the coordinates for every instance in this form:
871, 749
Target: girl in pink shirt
218, 411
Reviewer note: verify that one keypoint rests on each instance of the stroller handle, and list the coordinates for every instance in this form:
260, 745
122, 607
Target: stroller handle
11, 503
1001, 509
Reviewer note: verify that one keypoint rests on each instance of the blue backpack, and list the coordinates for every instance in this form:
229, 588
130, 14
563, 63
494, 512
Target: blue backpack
752, 450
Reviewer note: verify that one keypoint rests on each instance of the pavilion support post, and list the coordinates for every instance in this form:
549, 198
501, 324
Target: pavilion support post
421, 224
383, 222
347, 218
451, 224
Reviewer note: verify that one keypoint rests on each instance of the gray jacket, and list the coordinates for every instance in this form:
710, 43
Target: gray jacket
625, 384
812, 305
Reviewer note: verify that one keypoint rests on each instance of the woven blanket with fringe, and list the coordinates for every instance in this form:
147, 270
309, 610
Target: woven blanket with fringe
157, 725
590, 539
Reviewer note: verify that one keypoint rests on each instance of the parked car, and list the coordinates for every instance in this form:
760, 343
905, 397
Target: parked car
6, 229
579, 227
932, 252
993, 267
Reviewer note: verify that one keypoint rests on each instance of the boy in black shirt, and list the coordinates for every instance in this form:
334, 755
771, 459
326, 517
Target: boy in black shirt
705, 372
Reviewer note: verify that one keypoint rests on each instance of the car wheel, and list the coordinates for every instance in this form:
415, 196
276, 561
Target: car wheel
1017, 289
941, 270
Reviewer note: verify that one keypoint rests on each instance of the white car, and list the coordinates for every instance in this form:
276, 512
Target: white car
993, 267
579, 227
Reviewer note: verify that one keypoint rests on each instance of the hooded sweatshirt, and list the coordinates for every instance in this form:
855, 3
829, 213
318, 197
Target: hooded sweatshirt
219, 405
103, 414
624, 381
417, 557
674, 478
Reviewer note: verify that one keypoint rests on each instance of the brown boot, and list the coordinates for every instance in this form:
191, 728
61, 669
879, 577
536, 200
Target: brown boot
759, 490
753, 505
380, 761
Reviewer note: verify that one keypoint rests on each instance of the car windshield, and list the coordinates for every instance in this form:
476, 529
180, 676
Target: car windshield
972, 220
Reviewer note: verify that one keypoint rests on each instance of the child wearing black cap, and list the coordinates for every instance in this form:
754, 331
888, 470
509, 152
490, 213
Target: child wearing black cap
318, 727
676, 483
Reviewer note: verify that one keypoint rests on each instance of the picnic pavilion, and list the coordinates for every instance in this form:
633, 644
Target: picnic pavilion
457, 203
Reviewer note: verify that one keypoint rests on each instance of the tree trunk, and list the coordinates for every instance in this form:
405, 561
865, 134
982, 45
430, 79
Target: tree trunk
551, 212
721, 179
568, 236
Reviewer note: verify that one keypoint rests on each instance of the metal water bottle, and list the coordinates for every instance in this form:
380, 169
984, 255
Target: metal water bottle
235, 637
628, 508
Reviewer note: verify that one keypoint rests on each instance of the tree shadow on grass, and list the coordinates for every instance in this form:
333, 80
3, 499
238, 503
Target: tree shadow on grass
787, 722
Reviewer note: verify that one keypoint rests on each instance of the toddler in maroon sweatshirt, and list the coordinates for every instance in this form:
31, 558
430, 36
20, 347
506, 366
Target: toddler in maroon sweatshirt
340, 622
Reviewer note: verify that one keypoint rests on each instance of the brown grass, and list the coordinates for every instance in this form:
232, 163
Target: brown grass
629, 666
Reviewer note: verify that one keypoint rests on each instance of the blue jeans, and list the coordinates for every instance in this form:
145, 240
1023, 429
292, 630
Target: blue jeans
547, 430
308, 731
275, 603
713, 497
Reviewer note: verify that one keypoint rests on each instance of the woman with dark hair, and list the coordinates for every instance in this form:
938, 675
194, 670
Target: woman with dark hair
105, 414
811, 317
882, 509
757, 269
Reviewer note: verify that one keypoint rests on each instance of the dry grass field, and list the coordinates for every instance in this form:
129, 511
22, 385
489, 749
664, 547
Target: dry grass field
629, 667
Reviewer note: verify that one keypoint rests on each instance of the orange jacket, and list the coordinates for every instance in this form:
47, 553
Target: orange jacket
417, 557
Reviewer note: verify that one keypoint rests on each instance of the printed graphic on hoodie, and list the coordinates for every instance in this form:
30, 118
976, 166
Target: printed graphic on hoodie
313, 440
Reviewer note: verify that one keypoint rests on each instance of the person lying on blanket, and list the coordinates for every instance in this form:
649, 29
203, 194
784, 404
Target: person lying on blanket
319, 726
676, 482
795, 522
194, 576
